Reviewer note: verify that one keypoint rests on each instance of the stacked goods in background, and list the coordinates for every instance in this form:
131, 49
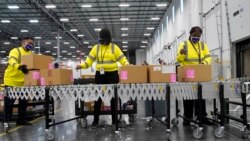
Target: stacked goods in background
42, 73
194, 73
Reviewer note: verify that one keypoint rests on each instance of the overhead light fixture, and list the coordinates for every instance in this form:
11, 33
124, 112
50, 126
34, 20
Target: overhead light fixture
78, 51
74, 56
24, 30
124, 42
80, 35
143, 46
86, 5
5, 21
124, 5
38, 37
161, 5
37, 47
155, 18
6, 43
64, 51
14, 38
47, 51
86, 42
64, 58
53, 53
146, 34
55, 47
73, 30
125, 28
124, 35
144, 42
93, 20
82, 53
125, 50
69, 53
150, 28
125, 46
98, 29
13, 7
66, 43
3, 52
78, 58
64, 20
47, 43
50, 6
72, 47
58, 37
124, 19
89, 46
34, 21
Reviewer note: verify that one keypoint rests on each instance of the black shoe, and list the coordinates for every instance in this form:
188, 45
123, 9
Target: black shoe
25, 123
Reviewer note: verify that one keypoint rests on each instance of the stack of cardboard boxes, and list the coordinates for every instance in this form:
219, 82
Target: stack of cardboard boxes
42, 73
145, 74
164, 74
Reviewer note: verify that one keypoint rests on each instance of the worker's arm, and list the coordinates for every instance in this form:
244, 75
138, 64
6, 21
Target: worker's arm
207, 57
120, 57
181, 54
90, 59
13, 59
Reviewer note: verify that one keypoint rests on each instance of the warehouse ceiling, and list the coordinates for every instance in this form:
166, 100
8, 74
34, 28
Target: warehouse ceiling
77, 22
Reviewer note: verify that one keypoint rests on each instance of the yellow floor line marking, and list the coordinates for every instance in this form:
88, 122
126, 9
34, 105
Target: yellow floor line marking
33, 121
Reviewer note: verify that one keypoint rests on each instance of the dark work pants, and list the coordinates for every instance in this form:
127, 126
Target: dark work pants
107, 78
22, 107
190, 105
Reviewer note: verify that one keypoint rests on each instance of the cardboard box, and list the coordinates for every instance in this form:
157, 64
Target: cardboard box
56, 77
37, 62
133, 74
194, 73
160, 74
32, 78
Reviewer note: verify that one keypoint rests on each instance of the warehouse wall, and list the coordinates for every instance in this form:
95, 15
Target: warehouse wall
215, 31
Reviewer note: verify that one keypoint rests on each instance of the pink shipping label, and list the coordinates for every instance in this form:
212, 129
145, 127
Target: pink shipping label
173, 78
190, 73
36, 75
124, 75
42, 81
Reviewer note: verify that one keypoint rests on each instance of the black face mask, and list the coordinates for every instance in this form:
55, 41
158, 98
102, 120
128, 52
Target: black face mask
102, 41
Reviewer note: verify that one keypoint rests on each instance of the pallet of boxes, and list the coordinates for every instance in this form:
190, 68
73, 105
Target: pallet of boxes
41, 72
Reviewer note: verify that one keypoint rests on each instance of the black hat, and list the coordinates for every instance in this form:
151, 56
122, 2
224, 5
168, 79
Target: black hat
194, 29
105, 36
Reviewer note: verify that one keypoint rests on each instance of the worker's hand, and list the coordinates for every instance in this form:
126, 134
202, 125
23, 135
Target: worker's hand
78, 67
183, 52
24, 69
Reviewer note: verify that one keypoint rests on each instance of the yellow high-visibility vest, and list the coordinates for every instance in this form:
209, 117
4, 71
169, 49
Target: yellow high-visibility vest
12, 75
106, 57
197, 53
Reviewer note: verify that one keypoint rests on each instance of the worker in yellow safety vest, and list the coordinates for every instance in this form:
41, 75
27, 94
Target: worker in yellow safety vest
193, 51
14, 76
106, 55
